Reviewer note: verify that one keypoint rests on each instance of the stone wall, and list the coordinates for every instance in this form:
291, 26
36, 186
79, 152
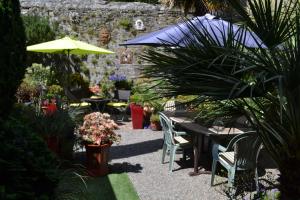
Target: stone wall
104, 24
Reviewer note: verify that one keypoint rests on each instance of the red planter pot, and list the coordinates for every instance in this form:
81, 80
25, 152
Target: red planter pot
137, 115
97, 159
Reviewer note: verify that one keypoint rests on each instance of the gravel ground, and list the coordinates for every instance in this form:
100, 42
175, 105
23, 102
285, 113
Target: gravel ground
139, 154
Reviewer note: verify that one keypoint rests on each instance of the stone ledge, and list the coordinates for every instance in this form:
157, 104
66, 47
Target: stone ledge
89, 4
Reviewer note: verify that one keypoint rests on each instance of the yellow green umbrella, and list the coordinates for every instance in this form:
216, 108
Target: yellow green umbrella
69, 46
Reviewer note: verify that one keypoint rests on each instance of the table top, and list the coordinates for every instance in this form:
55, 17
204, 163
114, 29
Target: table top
94, 100
117, 104
190, 125
181, 119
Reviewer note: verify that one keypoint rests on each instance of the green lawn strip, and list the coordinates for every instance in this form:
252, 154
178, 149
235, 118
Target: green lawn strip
111, 187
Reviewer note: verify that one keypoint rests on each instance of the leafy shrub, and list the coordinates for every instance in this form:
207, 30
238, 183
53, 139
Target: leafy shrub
125, 24
60, 125
154, 118
78, 85
124, 84
37, 74
28, 170
12, 53
98, 128
57, 124
38, 29
55, 91
26, 92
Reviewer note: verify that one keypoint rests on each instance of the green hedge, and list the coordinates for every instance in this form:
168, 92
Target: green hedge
12, 53
28, 170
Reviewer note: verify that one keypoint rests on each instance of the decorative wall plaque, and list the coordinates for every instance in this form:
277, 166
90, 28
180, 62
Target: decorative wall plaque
74, 17
104, 36
139, 25
126, 56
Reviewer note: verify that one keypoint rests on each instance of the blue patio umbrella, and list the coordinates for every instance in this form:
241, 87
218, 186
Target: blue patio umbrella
176, 35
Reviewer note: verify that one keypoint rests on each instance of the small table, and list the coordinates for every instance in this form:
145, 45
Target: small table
198, 131
120, 106
99, 103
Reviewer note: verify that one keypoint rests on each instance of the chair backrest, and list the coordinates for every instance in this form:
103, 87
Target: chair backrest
123, 95
166, 128
246, 148
170, 105
173, 105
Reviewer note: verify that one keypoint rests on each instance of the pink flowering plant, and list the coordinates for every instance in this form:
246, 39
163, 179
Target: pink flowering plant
98, 129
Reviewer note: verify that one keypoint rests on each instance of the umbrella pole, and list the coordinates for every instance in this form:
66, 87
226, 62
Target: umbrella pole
66, 89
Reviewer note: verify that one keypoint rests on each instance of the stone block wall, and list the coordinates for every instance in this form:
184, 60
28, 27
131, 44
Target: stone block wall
104, 24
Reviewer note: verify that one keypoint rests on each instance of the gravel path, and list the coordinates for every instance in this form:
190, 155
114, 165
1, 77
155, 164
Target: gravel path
139, 154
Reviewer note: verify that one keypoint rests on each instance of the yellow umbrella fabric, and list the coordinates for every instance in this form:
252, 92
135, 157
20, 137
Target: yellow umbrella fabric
69, 46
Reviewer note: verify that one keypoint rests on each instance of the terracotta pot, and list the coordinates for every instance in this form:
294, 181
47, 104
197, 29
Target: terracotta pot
97, 159
155, 126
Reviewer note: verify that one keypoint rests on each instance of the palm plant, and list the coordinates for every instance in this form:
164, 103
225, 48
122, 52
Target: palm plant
264, 83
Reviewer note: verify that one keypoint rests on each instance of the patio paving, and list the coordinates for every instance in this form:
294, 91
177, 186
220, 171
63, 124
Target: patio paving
139, 154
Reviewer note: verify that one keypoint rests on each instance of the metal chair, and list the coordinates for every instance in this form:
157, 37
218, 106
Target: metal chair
121, 105
240, 154
173, 140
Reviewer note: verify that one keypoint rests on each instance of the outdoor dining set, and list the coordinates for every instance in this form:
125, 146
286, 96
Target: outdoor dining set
181, 132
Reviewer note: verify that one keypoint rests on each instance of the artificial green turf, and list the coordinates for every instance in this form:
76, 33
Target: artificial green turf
111, 187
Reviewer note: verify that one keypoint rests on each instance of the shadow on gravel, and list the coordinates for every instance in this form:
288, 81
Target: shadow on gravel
129, 150
125, 167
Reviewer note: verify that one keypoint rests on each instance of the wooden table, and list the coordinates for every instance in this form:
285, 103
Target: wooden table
198, 132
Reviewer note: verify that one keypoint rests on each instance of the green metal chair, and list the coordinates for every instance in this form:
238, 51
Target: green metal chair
173, 140
240, 154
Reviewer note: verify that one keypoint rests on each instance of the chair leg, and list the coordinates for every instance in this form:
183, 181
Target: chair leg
172, 158
184, 155
256, 180
231, 174
213, 171
164, 153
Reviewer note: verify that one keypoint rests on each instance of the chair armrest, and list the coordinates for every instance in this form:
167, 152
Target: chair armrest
216, 148
179, 133
221, 148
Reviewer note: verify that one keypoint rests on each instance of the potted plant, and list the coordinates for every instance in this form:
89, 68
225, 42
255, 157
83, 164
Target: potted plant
57, 129
97, 135
155, 123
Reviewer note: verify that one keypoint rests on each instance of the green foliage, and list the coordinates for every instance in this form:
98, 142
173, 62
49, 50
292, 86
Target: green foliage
12, 53
108, 62
94, 61
124, 84
210, 111
57, 124
77, 80
84, 69
26, 92
143, 93
125, 24
107, 86
55, 91
28, 170
154, 118
262, 83
37, 74
37, 29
